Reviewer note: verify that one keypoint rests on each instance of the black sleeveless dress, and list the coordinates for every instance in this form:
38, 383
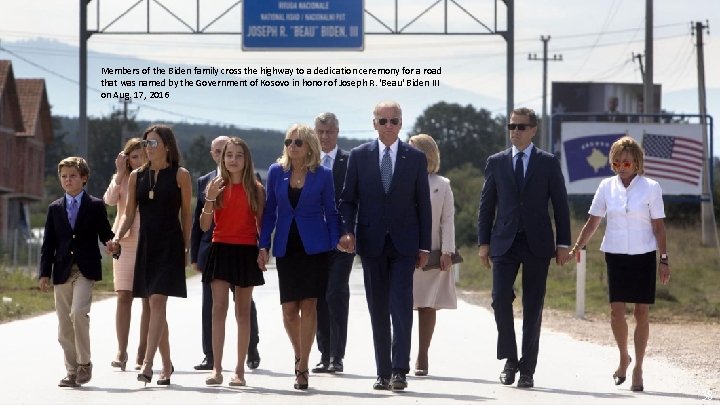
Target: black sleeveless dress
160, 260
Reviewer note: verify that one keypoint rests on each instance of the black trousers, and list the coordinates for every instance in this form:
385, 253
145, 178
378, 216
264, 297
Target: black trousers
333, 308
534, 277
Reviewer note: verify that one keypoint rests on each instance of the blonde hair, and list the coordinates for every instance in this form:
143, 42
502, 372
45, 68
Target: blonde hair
77, 162
249, 181
427, 145
630, 145
131, 145
308, 136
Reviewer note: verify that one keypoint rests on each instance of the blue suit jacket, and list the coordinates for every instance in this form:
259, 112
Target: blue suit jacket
200, 241
62, 246
503, 204
404, 213
316, 214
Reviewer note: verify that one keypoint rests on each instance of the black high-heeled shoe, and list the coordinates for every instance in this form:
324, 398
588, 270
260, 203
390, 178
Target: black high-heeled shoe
142, 377
619, 379
121, 362
166, 381
299, 374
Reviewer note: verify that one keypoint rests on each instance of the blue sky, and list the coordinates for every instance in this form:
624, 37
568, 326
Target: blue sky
595, 37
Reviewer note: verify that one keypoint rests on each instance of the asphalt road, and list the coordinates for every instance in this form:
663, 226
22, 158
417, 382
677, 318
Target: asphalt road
463, 368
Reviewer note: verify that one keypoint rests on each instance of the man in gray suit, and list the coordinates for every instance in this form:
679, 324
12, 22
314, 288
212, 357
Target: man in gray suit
514, 228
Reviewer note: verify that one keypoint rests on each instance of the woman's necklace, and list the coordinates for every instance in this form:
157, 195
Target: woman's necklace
151, 193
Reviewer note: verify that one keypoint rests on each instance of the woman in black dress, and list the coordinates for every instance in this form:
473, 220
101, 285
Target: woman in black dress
300, 208
161, 189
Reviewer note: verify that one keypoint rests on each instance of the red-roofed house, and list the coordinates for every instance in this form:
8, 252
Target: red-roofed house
25, 128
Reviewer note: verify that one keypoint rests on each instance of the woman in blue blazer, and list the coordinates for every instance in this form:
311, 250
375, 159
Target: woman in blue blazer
300, 208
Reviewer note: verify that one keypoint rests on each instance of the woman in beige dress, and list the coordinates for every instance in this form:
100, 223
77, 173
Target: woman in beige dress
434, 289
131, 157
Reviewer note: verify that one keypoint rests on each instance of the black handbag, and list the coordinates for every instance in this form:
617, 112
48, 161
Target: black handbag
434, 259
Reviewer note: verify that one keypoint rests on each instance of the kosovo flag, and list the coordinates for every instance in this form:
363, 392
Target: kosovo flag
587, 156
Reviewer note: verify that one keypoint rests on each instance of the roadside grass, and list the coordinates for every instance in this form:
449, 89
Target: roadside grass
21, 297
692, 294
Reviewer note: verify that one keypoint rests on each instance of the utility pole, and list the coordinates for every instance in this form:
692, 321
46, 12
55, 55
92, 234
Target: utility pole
125, 133
648, 90
548, 146
709, 230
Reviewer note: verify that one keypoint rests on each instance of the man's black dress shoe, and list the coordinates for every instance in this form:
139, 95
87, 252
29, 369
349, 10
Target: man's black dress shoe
507, 376
322, 367
382, 383
206, 364
398, 382
526, 381
253, 359
336, 366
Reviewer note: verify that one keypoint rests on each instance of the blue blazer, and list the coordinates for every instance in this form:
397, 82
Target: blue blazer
404, 213
316, 215
503, 203
200, 241
62, 246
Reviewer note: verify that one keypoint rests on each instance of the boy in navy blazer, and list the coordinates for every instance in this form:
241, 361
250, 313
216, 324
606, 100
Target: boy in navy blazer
70, 255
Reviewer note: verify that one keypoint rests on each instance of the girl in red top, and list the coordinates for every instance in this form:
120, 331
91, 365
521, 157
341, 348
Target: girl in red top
234, 201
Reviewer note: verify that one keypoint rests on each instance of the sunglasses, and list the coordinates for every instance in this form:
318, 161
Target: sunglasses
618, 165
519, 127
384, 121
149, 143
298, 142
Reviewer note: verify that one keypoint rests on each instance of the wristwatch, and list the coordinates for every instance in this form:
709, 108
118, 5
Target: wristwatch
664, 256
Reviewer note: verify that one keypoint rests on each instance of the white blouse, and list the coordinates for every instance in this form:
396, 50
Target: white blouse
629, 212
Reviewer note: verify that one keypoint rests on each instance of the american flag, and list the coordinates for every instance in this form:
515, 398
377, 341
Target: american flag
673, 158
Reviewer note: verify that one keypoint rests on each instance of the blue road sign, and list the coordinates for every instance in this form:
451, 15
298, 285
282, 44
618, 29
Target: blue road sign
303, 25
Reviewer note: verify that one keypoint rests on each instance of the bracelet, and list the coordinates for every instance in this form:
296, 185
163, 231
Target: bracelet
665, 262
207, 213
209, 200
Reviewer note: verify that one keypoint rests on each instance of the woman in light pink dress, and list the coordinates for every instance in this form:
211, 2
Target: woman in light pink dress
132, 157
434, 289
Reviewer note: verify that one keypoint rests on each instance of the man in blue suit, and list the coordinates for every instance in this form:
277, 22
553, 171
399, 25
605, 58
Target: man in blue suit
386, 216
333, 308
199, 249
514, 228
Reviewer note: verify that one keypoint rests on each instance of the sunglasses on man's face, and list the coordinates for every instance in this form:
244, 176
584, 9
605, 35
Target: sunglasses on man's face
618, 165
298, 142
150, 143
384, 121
519, 127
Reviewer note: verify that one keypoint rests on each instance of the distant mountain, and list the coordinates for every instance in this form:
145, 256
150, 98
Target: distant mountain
244, 107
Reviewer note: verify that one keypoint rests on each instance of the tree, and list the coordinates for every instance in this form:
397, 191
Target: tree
197, 158
466, 182
463, 134
106, 137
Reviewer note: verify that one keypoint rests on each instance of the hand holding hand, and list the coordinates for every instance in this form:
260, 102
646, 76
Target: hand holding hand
562, 255
484, 253
347, 243
262, 259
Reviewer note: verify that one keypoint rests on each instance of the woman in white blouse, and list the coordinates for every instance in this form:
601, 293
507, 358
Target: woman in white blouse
434, 289
634, 235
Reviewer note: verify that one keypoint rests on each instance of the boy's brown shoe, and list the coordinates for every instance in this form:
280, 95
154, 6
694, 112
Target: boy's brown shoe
84, 373
68, 381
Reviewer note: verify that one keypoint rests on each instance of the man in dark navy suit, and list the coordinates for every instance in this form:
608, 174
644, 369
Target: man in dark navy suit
199, 249
333, 308
386, 215
514, 228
